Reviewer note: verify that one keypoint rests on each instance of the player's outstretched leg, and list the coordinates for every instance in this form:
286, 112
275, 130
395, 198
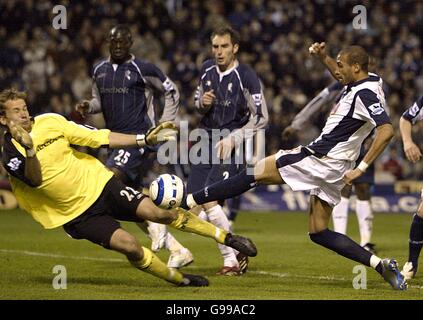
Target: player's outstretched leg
343, 245
153, 265
144, 259
187, 221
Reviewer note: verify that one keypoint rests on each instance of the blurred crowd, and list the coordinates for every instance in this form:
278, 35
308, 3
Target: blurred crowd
55, 66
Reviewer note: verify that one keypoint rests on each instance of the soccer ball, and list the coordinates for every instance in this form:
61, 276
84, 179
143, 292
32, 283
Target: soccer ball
167, 191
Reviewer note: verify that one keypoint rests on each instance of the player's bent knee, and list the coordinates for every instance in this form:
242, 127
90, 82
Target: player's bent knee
266, 172
164, 216
317, 237
126, 243
362, 191
147, 210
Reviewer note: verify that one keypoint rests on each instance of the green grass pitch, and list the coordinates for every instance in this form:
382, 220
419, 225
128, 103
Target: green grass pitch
288, 264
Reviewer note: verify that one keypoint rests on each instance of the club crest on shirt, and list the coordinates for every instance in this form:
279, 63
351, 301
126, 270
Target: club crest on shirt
128, 74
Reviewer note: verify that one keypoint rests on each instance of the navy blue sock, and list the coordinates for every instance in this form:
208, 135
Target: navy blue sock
226, 189
342, 245
416, 240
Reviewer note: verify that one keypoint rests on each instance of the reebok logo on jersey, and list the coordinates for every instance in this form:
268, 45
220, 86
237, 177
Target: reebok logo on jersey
114, 90
14, 164
376, 109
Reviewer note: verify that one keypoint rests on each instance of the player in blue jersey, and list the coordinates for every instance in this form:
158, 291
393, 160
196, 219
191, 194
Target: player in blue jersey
230, 97
325, 165
123, 88
413, 154
362, 185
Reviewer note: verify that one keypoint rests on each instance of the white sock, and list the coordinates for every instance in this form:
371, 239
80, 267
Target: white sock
203, 215
365, 220
190, 201
218, 218
172, 244
374, 261
340, 216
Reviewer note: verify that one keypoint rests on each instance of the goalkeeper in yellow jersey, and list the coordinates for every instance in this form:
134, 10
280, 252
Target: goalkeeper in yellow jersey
60, 186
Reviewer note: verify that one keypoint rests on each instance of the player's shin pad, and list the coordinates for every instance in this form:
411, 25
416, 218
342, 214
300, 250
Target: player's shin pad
189, 222
153, 265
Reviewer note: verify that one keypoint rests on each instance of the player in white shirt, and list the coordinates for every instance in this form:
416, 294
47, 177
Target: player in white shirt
324, 166
362, 185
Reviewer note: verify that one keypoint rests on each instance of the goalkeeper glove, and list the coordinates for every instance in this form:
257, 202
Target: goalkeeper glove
165, 131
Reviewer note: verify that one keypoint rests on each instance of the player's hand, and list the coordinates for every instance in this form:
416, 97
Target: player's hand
208, 98
412, 152
288, 132
224, 147
352, 175
20, 135
165, 131
318, 50
83, 107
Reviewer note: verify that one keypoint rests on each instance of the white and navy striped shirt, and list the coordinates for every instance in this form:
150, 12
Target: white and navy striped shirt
359, 110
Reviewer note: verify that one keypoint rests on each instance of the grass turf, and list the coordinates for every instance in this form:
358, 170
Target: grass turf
288, 265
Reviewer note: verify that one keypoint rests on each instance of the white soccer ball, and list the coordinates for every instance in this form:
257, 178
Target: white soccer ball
167, 191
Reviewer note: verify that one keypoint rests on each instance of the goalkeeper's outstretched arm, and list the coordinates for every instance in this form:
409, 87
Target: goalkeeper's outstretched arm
165, 131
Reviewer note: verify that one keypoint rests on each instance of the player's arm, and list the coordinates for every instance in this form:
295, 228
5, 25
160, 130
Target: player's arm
90, 106
83, 135
411, 150
160, 82
319, 51
409, 117
165, 131
204, 94
384, 134
27, 169
369, 106
259, 116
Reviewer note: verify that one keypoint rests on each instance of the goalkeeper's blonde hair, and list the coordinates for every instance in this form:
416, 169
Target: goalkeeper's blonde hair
10, 94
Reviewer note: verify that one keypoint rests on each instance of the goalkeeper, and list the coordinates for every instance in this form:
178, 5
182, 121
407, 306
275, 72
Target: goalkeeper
60, 186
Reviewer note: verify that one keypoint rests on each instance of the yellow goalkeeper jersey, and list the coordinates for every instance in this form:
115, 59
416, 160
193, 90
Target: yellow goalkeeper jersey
71, 181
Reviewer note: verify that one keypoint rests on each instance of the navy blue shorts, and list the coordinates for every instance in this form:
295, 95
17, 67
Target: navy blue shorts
130, 161
202, 175
98, 223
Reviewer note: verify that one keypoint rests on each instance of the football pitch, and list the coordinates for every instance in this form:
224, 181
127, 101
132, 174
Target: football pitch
288, 264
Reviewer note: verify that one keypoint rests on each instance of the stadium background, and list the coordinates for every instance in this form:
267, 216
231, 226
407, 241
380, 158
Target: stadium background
54, 66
